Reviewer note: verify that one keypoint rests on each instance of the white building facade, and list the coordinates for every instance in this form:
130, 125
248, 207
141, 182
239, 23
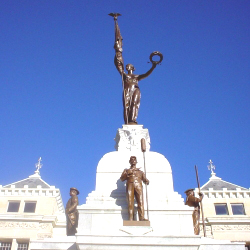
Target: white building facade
226, 208
30, 209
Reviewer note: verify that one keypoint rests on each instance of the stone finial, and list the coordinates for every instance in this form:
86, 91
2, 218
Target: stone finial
211, 167
38, 166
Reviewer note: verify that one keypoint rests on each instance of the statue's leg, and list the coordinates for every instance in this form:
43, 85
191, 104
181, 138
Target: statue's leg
67, 228
126, 103
135, 104
139, 200
72, 223
130, 199
196, 219
70, 228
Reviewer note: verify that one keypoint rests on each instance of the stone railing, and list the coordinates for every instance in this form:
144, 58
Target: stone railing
39, 191
224, 193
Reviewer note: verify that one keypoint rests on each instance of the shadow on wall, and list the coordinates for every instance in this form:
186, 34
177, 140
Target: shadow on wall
119, 194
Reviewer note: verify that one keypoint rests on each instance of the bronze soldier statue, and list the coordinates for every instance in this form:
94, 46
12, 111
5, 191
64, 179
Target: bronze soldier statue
72, 212
192, 201
134, 177
131, 91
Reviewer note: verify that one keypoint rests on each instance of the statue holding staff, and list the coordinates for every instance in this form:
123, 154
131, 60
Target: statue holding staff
131, 91
134, 177
192, 201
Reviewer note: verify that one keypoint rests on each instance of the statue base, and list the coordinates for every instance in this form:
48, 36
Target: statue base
135, 242
129, 223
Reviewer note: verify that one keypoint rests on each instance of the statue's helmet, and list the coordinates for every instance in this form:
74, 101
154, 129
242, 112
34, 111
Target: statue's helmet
189, 190
77, 192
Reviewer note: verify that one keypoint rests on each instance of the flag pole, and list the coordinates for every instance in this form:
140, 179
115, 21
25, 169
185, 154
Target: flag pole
115, 15
198, 182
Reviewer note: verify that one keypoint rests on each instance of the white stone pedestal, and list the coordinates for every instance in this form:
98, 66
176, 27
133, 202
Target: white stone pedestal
100, 225
86, 242
106, 207
101, 218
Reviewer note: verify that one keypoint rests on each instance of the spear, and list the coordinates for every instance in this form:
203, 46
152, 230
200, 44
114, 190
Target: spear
143, 148
198, 182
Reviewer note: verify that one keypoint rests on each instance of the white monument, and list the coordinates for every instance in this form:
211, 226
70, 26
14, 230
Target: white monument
101, 218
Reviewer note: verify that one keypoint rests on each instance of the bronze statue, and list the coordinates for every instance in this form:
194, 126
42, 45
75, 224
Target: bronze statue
72, 212
131, 91
134, 177
192, 201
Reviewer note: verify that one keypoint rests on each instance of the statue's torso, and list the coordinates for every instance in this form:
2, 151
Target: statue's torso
193, 202
135, 176
73, 201
131, 81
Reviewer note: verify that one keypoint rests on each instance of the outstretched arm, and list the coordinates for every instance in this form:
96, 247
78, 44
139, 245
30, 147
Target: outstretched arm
140, 77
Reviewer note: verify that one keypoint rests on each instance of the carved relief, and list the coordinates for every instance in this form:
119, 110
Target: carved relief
43, 236
28, 225
45, 226
18, 225
130, 138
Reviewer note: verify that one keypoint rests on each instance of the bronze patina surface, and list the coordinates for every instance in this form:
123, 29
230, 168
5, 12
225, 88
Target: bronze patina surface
192, 201
72, 212
134, 177
128, 223
131, 91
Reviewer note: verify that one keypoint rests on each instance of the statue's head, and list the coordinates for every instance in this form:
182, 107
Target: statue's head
130, 67
189, 191
73, 191
132, 160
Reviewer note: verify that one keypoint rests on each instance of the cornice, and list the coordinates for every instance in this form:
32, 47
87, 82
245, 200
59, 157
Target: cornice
224, 193
34, 192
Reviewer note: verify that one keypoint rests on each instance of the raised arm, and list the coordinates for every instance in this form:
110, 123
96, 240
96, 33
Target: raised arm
143, 76
118, 60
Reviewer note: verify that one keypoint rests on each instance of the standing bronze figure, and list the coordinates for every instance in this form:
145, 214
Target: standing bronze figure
134, 189
131, 91
72, 212
192, 201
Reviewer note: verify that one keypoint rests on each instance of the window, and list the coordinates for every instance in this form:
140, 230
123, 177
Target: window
30, 207
22, 246
238, 209
221, 209
5, 245
13, 206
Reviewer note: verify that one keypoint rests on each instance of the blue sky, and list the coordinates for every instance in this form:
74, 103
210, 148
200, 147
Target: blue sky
60, 93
